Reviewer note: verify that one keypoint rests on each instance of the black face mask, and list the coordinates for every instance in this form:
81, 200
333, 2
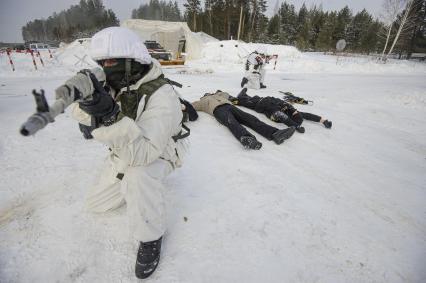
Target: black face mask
116, 75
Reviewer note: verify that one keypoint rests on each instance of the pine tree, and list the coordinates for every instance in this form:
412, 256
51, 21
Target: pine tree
344, 18
302, 18
289, 25
369, 40
158, 10
193, 8
274, 29
357, 31
208, 11
303, 27
316, 16
325, 38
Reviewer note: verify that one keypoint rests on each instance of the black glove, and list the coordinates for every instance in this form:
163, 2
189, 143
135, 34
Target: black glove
189, 113
102, 107
86, 131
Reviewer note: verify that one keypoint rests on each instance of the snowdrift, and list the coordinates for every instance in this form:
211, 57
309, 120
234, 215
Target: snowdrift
76, 54
236, 52
320, 63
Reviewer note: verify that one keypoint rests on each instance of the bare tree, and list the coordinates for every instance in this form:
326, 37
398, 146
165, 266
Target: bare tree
253, 17
391, 10
241, 18
193, 7
405, 18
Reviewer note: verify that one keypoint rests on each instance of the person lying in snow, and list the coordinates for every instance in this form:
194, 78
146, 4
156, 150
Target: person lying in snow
254, 69
218, 105
139, 118
278, 110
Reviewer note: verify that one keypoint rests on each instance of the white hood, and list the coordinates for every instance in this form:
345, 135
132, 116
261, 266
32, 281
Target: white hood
118, 42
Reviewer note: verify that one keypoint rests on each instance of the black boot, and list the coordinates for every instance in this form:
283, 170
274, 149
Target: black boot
242, 92
250, 142
281, 135
244, 81
262, 85
300, 129
327, 124
148, 258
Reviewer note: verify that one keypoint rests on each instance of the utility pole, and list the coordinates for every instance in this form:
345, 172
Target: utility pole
241, 18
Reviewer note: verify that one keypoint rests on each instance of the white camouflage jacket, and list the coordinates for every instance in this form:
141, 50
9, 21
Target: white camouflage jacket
141, 141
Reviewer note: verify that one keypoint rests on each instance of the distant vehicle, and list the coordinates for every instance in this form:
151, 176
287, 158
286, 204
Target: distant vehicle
39, 46
157, 51
419, 56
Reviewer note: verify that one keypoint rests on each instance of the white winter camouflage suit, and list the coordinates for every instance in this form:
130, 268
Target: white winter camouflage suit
144, 151
256, 72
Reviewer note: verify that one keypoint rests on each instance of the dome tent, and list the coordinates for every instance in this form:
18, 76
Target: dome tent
167, 34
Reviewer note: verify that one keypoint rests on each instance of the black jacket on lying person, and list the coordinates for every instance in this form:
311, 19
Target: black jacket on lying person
266, 105
275, 109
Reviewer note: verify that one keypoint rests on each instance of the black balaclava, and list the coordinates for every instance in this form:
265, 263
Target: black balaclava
116, 75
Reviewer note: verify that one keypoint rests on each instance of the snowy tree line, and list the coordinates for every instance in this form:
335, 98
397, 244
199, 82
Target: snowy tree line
401, 28
81, 20
315, 29
223, 19
158, 10
308, 29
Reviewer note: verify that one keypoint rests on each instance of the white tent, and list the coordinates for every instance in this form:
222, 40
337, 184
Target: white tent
167, 34
204, 37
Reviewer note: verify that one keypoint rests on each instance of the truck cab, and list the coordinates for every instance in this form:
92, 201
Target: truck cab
157, 51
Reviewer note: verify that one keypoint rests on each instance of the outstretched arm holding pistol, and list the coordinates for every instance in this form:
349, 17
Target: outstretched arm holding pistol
86, 89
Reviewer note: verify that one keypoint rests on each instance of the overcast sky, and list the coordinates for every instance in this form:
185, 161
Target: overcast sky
16, 13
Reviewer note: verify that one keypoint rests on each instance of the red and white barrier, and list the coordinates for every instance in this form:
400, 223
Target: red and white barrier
39, 56
21, 56
34, 62
10, 60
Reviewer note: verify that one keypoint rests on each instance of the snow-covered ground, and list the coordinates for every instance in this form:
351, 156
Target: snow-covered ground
339, 205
